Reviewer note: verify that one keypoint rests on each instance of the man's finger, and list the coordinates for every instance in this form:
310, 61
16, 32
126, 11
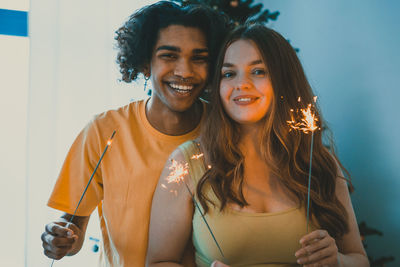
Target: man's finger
72, 227
59, 230
57, 250
58, 241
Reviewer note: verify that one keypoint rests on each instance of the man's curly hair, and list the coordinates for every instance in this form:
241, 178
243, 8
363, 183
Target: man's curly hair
137, 37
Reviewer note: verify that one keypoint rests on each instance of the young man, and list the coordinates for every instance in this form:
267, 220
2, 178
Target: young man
175, 47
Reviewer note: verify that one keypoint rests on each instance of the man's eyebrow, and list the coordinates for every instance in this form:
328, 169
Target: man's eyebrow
169, 47
200, 50
177, 49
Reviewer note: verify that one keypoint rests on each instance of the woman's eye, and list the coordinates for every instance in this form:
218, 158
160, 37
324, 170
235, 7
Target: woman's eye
259, 72
228, 74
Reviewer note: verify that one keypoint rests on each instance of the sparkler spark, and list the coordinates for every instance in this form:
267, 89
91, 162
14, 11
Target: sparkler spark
178, 172
308, 123
197, 156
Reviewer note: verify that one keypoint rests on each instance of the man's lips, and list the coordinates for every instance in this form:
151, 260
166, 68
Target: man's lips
181, 89
181, 86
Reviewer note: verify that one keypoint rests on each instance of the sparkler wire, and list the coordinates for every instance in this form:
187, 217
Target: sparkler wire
309, 179
91, 178
204, 219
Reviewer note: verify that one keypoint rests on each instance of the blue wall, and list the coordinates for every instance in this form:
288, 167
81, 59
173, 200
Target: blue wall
351, 53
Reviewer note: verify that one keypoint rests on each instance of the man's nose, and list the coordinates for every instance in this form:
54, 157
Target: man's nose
183, 69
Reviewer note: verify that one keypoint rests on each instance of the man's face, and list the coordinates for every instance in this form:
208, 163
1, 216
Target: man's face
179, 66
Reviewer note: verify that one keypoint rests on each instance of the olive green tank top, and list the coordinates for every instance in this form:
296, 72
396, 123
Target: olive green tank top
245, 239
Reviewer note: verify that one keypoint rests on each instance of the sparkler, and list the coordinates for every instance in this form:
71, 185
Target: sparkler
109, 141
306, 124
177, 175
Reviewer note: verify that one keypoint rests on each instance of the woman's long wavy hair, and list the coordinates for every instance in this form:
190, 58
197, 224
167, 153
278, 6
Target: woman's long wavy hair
286, 152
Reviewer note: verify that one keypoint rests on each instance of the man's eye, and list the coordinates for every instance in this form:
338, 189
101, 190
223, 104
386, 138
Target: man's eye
201, 59
228, 74
168, 56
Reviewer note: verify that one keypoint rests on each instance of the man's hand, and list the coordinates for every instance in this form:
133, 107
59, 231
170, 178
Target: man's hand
62, 238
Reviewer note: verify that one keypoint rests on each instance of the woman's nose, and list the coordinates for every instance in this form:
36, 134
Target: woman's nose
243, 82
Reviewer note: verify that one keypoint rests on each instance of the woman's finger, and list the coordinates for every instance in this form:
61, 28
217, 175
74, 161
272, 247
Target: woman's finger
218, 264
315, 246
319, 256
315, 235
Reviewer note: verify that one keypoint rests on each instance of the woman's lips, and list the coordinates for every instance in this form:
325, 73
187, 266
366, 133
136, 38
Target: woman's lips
245, 99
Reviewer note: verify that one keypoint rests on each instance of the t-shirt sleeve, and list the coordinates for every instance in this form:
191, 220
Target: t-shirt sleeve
75, 174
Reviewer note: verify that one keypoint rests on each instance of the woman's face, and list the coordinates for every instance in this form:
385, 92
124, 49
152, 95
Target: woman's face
245, 88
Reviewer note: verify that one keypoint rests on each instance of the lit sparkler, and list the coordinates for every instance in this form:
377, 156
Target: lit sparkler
178, 172
197, 156
306, 124
109, 141
177, 175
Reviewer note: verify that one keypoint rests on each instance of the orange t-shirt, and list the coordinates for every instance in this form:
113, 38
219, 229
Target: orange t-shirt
124, 183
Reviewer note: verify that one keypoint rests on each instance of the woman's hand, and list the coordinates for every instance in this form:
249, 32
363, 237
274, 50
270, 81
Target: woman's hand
318, 249
218, 264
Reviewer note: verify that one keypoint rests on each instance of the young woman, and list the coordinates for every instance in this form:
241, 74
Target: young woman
252, 181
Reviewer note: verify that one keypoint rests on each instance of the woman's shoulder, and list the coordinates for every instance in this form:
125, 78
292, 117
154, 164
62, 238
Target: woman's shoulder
188, 149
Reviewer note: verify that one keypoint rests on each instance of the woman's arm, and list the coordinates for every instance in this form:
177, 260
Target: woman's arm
171, 218
320, 248
352, 252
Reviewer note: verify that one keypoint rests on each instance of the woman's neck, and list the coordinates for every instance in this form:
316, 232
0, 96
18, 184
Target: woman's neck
249, 144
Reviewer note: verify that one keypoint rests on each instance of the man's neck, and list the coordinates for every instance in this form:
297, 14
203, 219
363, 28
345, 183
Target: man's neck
171, 122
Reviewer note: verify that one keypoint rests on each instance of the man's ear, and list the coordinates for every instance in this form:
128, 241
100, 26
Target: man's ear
146, 71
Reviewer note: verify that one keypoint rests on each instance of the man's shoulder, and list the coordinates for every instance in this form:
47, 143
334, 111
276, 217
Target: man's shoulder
129, 112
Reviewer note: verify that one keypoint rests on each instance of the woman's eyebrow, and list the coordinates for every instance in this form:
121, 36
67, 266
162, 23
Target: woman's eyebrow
227, 64
255, 62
